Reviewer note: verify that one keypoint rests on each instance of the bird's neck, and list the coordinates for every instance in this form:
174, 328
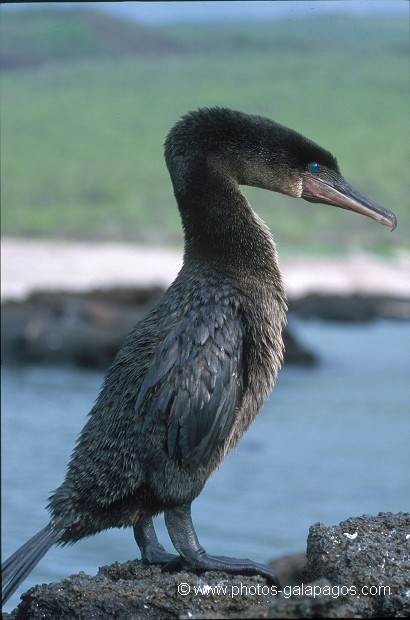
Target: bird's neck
222, 230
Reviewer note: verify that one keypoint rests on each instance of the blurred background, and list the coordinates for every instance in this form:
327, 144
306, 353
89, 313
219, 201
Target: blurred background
88, 94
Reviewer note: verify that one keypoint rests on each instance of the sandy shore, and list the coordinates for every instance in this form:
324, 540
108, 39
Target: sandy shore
29, 265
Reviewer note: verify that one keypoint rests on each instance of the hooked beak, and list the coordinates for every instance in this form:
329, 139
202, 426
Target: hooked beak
334, 190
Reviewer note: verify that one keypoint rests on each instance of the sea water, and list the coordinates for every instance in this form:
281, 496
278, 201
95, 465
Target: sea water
330, 443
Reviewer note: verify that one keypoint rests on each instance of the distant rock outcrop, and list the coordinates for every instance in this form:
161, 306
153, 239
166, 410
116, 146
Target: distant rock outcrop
350, 308
86, 329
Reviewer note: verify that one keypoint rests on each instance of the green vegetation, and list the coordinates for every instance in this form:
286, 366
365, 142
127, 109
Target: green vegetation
87, 101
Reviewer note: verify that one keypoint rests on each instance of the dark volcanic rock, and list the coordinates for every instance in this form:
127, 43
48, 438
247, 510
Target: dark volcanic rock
350, 308
84, 329
295, 352
134, 591
289, 568
348, 569
365, 552
87, 329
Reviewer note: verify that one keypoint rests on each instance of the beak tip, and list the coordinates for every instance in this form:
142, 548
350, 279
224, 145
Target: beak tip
393, 222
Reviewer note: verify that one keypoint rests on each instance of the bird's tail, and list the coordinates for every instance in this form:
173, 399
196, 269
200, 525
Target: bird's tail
21, 563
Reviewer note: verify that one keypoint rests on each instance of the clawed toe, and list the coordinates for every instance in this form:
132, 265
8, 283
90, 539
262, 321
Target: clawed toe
201, 563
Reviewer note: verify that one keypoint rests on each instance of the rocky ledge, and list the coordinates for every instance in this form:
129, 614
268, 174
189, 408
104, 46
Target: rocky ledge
357, 569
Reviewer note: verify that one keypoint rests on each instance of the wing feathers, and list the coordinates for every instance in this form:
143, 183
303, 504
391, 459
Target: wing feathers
194, 384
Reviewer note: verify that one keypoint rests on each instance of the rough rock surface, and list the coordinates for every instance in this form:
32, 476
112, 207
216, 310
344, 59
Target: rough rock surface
363, 552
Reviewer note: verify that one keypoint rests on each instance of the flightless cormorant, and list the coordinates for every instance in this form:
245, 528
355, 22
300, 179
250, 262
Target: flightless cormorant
192, 376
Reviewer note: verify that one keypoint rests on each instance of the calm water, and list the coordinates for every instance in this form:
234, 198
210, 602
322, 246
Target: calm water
331, 442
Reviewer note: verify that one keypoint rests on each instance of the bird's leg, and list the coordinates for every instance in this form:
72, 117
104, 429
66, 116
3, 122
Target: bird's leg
152, 552
195, 558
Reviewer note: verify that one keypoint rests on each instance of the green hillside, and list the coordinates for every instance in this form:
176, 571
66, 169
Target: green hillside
87, 101
32, 38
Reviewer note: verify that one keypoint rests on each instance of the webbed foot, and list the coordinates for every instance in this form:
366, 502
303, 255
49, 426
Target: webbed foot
194, 557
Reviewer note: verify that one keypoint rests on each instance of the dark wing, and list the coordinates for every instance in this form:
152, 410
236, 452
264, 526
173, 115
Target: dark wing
195, 383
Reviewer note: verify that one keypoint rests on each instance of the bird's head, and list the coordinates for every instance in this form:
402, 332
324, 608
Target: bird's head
253, 150
296, 166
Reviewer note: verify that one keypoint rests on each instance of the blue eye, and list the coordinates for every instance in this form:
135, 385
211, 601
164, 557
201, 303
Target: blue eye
313, 167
